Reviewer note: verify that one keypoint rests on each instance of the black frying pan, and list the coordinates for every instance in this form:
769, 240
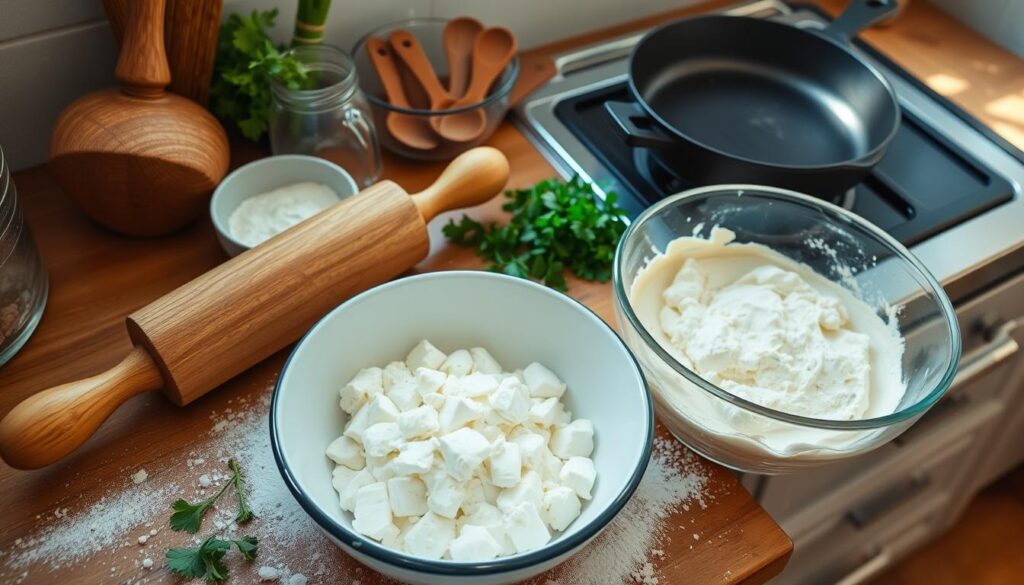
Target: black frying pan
727, 99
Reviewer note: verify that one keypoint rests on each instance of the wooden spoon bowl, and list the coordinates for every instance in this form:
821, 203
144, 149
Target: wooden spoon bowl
493, 50
413, 131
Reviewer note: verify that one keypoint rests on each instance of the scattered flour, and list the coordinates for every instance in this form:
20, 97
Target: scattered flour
292, 546
268, 574
624, 552
139, 476
78, 535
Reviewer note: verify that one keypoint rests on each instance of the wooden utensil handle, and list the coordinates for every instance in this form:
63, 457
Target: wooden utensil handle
142, 65
387, 71
408, 47
471, 179
49, 425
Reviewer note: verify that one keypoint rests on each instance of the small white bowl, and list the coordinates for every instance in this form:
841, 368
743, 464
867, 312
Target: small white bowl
519, 322
265, 175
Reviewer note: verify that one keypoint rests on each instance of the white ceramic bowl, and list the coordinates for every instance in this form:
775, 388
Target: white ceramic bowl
519, 322
267, 174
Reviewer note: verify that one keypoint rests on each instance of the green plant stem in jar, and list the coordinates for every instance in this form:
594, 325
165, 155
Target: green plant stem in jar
331, 119
309, 22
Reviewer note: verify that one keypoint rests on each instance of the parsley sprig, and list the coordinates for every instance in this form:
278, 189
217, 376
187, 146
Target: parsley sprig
244, 66
188, 517
206, 560
555, 225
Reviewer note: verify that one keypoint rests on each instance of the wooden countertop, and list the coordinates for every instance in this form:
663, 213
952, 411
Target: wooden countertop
97, 278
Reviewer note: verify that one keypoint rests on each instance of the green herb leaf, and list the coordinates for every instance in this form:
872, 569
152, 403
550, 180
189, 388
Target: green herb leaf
206, 561
247, 547
555, 225
244, 513
188, 517
245, 65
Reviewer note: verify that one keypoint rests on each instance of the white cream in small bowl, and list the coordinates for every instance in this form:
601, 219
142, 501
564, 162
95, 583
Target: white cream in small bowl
267, 196
518, 322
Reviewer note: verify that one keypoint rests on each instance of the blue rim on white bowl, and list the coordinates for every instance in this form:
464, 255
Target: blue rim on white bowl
429, 567
268, 173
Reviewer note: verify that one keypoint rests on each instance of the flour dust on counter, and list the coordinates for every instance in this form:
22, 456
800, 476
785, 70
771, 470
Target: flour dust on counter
631, 547
131, 519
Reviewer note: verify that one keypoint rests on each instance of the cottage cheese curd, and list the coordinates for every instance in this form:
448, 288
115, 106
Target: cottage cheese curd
447, 456
772, 331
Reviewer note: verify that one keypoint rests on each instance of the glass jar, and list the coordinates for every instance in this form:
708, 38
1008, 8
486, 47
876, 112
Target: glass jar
23, 281
331, 120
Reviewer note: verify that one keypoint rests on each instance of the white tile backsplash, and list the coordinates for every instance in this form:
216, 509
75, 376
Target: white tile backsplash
534, 22
40, 76
1000, 20
19, 18
53, 51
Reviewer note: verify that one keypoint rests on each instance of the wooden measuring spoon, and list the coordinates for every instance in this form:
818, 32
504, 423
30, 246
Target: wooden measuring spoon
412, 131
408, 47
459, 37
493, 50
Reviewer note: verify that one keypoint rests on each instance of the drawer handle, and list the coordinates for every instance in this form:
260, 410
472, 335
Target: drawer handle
868, 570
877, 506
1001, 347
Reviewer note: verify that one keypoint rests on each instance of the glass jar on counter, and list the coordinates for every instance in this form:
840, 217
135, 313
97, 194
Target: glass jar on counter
331, 120
23, 280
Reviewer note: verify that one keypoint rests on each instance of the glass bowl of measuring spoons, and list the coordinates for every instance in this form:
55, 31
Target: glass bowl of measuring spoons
409, 127
847, 251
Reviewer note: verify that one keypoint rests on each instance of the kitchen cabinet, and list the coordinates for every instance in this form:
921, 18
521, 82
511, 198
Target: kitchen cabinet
851, 521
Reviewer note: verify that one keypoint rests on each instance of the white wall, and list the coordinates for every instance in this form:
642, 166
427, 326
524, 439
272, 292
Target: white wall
1000, 20
53, 51
534, 22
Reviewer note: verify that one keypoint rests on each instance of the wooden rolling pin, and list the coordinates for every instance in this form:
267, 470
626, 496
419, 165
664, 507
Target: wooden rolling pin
198, 336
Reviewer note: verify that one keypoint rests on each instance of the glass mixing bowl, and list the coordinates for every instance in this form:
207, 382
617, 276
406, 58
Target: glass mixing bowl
836, 244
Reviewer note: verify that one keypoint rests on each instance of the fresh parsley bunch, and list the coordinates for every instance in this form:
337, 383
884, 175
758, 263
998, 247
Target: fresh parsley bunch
555, 225
246, 62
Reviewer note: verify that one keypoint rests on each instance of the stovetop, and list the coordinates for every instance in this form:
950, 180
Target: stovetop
923, 184
948, 187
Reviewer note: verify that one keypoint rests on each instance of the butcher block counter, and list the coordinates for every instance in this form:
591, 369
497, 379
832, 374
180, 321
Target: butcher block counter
101, 515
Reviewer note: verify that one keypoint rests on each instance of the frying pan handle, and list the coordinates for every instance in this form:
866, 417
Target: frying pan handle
626, 115
859, 15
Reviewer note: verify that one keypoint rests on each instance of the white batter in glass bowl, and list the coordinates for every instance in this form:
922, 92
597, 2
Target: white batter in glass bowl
779, 332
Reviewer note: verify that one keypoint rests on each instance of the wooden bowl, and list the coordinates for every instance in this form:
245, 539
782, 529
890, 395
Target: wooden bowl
139, 166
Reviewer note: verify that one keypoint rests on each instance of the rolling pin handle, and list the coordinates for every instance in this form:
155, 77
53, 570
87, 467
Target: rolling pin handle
50, 424
471, 179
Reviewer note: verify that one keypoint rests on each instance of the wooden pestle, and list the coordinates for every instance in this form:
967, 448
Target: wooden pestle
203, 333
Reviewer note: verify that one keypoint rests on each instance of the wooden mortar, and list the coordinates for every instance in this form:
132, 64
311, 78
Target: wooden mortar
137, 159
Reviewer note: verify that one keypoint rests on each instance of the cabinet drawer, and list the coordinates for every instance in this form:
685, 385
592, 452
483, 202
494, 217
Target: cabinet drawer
801, 502
886, 519
882, 500
846, 557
